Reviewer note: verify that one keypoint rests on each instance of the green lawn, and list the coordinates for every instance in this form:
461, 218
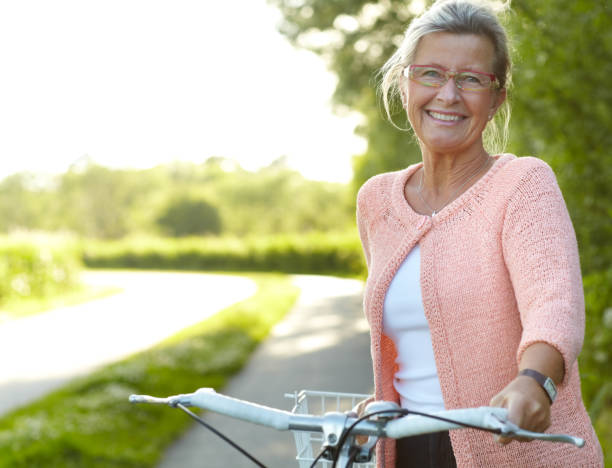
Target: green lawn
90, 423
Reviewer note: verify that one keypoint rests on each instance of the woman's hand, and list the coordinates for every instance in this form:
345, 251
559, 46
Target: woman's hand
360, 407
528, 406
359, 410
527, 402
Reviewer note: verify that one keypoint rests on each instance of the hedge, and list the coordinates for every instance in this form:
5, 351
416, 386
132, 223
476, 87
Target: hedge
338, 254
37, 268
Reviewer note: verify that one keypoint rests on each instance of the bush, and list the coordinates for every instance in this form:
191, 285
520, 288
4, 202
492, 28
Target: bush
595, 368
316, 253
190, 217
36, 268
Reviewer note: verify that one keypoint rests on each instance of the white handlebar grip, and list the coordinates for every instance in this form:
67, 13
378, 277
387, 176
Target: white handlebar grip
207, 398
414, 425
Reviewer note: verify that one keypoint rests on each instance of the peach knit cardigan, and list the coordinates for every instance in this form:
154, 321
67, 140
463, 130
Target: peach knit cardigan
499, 272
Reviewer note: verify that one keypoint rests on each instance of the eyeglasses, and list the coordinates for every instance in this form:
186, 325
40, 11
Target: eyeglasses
436, 77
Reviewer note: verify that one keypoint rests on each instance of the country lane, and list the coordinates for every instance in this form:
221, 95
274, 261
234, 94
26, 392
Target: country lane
42, 352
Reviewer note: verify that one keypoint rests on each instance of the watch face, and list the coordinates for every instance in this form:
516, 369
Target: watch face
549, 386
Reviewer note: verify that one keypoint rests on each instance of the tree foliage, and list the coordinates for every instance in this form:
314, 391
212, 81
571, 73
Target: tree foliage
562, 101
187, 216
179, 199
356, 37
563, 108
21, 203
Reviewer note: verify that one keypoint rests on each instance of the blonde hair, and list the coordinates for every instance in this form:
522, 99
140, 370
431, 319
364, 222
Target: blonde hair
458, 17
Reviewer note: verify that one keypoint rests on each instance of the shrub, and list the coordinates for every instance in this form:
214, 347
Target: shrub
315, 253
595, 368
36, 268
189, 217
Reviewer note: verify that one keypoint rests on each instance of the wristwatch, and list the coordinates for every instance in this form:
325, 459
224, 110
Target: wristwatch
545, 382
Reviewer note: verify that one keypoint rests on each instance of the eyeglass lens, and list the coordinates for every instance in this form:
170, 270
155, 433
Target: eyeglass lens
434, 76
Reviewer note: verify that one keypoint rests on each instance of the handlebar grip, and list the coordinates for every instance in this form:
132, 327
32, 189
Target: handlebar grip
414, 425
207, 398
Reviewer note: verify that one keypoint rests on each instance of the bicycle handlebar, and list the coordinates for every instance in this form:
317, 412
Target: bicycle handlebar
488, 418
208, 399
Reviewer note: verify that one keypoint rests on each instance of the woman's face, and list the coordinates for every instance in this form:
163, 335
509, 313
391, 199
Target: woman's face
447, 119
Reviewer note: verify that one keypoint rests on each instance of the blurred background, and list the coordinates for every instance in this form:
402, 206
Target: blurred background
233, 136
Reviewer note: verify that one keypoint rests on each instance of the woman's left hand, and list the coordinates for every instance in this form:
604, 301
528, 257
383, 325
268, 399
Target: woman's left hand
528, 406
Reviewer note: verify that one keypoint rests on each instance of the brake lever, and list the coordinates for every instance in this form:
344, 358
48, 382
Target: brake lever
509, 429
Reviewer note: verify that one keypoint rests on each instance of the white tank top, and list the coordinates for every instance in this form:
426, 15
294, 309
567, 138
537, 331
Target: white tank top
404, 322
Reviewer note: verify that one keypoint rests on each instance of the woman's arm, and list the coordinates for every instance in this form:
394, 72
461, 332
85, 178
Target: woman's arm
541, 255
527, 403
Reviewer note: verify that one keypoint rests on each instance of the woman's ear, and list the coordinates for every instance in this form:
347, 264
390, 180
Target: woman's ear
498, 100
404, 98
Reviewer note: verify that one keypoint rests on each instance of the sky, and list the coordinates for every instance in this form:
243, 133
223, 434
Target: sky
137, 83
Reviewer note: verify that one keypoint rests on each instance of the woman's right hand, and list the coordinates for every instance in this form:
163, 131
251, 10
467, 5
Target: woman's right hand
358, 411
360, 407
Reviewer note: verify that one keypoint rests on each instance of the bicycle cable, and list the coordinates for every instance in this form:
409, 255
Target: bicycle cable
318, 457
219, 434
403, 412
352, 426
352, 457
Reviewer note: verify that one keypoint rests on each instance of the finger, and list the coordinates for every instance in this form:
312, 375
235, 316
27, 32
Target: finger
503, 440
497, 400
516, 412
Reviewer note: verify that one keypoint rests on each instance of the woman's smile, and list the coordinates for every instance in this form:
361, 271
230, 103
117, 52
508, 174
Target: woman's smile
445, 117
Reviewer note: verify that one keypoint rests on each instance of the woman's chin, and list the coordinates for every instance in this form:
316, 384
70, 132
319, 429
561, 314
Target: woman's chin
443, 145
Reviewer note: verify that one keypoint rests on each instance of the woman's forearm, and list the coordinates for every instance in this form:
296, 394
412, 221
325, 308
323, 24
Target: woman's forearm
545, 359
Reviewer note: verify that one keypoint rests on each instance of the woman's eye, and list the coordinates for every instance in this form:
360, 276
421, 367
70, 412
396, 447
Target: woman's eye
432, 73
472, 79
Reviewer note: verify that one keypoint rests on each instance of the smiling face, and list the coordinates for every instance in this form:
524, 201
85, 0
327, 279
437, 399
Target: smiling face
446, 119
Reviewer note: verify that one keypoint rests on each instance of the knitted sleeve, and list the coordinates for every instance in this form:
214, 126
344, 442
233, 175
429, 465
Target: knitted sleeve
362, 220
541, 255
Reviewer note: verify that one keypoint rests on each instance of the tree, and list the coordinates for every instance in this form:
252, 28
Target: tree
562, 102
356, 37
98, 202
188, 216
22, 203
562, 99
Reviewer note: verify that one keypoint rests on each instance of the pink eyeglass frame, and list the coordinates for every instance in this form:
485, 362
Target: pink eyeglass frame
452, 74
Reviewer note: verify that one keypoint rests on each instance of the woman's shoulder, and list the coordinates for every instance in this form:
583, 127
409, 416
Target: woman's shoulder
378, 187
521, 165
525, 170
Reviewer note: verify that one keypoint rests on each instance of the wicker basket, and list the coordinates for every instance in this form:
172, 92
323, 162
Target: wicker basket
308, 444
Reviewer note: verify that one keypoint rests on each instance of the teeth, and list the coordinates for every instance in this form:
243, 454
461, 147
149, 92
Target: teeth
448, 118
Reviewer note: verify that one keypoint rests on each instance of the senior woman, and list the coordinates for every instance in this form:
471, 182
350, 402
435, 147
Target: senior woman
474, 294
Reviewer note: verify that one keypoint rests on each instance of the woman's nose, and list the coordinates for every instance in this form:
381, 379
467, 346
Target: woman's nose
448, 92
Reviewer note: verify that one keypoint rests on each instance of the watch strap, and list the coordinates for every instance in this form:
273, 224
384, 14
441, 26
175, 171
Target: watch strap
545, 382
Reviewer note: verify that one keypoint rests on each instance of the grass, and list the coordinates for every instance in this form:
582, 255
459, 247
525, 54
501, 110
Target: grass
89, 423
26, 306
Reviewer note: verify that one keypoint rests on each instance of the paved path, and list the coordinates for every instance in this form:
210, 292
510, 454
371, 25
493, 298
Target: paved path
40, 353
322, 345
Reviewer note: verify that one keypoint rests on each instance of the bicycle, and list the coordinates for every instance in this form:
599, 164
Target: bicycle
338, 444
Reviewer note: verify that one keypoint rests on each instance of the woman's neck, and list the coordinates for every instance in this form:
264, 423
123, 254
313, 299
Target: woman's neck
444, 178
443, 173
